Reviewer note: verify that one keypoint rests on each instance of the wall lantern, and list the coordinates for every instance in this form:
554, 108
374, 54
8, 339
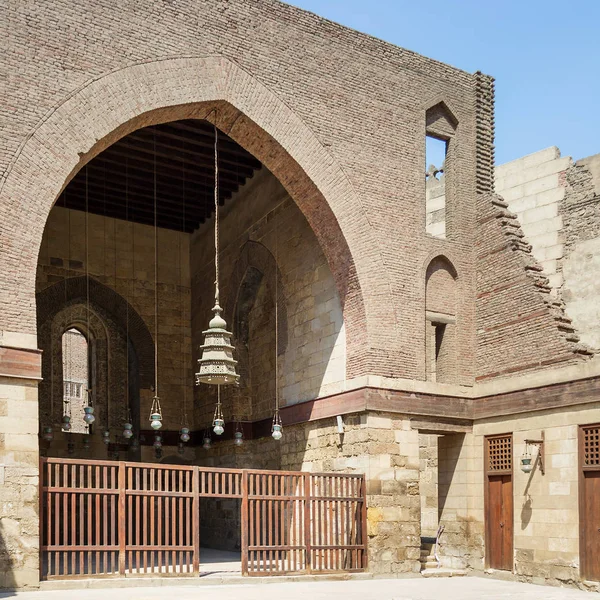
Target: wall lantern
526, 460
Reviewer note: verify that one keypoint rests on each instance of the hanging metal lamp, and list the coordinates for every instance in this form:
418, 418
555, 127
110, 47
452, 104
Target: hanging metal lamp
156, 410
217, 365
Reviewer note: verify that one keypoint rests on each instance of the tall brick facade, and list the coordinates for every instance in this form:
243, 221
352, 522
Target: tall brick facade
422, 341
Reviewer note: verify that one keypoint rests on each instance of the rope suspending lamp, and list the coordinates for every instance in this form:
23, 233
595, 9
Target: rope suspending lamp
217, 365
155, 411
89, 416
277, 426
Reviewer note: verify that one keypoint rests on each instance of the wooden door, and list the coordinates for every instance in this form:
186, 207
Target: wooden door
591, 524
499, 502
589, 503
500, 526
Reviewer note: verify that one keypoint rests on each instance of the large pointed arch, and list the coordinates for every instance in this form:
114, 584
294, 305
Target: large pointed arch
109, 107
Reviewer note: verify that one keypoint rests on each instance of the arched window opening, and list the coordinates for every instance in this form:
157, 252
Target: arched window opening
75, 369
440, 314
440, 132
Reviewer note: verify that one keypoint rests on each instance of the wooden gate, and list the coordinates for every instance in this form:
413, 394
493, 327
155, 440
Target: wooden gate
103, 518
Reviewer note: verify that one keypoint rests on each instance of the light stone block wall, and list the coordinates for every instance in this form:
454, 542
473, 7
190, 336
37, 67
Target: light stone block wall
121, 256
546, 515
581, 289
314, 363
534, 186
428, 483
19, 459
386, 449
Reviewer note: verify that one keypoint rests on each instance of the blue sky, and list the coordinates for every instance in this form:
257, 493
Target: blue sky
544, 54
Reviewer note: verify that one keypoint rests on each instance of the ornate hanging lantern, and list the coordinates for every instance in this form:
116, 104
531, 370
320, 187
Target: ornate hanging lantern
218, 421
238, 436
88, 417
277, 427
106, 437
184, 434
66, 423
128, 431
86, 442
207, 441
156, 414
217, 366
47, 434
157, 441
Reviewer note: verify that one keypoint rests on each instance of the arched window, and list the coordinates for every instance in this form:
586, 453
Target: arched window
76, 371
440, 313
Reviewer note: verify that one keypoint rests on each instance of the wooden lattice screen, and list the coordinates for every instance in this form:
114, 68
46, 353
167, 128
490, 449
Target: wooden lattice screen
591, 446
499, 453
119, 518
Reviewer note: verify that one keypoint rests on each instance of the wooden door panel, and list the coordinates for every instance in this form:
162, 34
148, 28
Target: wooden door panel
500, 522
507, 523
591, 516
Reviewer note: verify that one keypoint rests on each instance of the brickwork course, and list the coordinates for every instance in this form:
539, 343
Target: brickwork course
427, 310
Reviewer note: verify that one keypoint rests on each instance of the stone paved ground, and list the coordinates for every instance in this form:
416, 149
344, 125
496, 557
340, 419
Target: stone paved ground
463, 588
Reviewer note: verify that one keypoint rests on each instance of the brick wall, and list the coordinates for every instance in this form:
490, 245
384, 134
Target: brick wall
367, 213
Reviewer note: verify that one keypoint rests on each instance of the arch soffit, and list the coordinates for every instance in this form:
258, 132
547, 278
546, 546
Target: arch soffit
123, 100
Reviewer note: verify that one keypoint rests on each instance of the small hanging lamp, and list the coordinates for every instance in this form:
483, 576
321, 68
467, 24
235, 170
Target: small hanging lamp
217, 365
184, 434
218, 421
66, 423
156, 414
89, 417
207, 441
277, 426
47, 434
157, 441
128, 431
181, 448
155, 411
106, 437
238, 436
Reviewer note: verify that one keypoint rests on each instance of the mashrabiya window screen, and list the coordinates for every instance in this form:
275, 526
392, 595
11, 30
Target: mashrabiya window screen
591, 446
500, 453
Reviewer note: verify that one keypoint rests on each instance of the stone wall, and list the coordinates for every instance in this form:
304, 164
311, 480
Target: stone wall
546, 512
262, 223
19, 460
121, 256
558, 207
386, 450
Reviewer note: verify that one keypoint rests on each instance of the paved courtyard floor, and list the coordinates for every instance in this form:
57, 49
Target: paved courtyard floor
459, 588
